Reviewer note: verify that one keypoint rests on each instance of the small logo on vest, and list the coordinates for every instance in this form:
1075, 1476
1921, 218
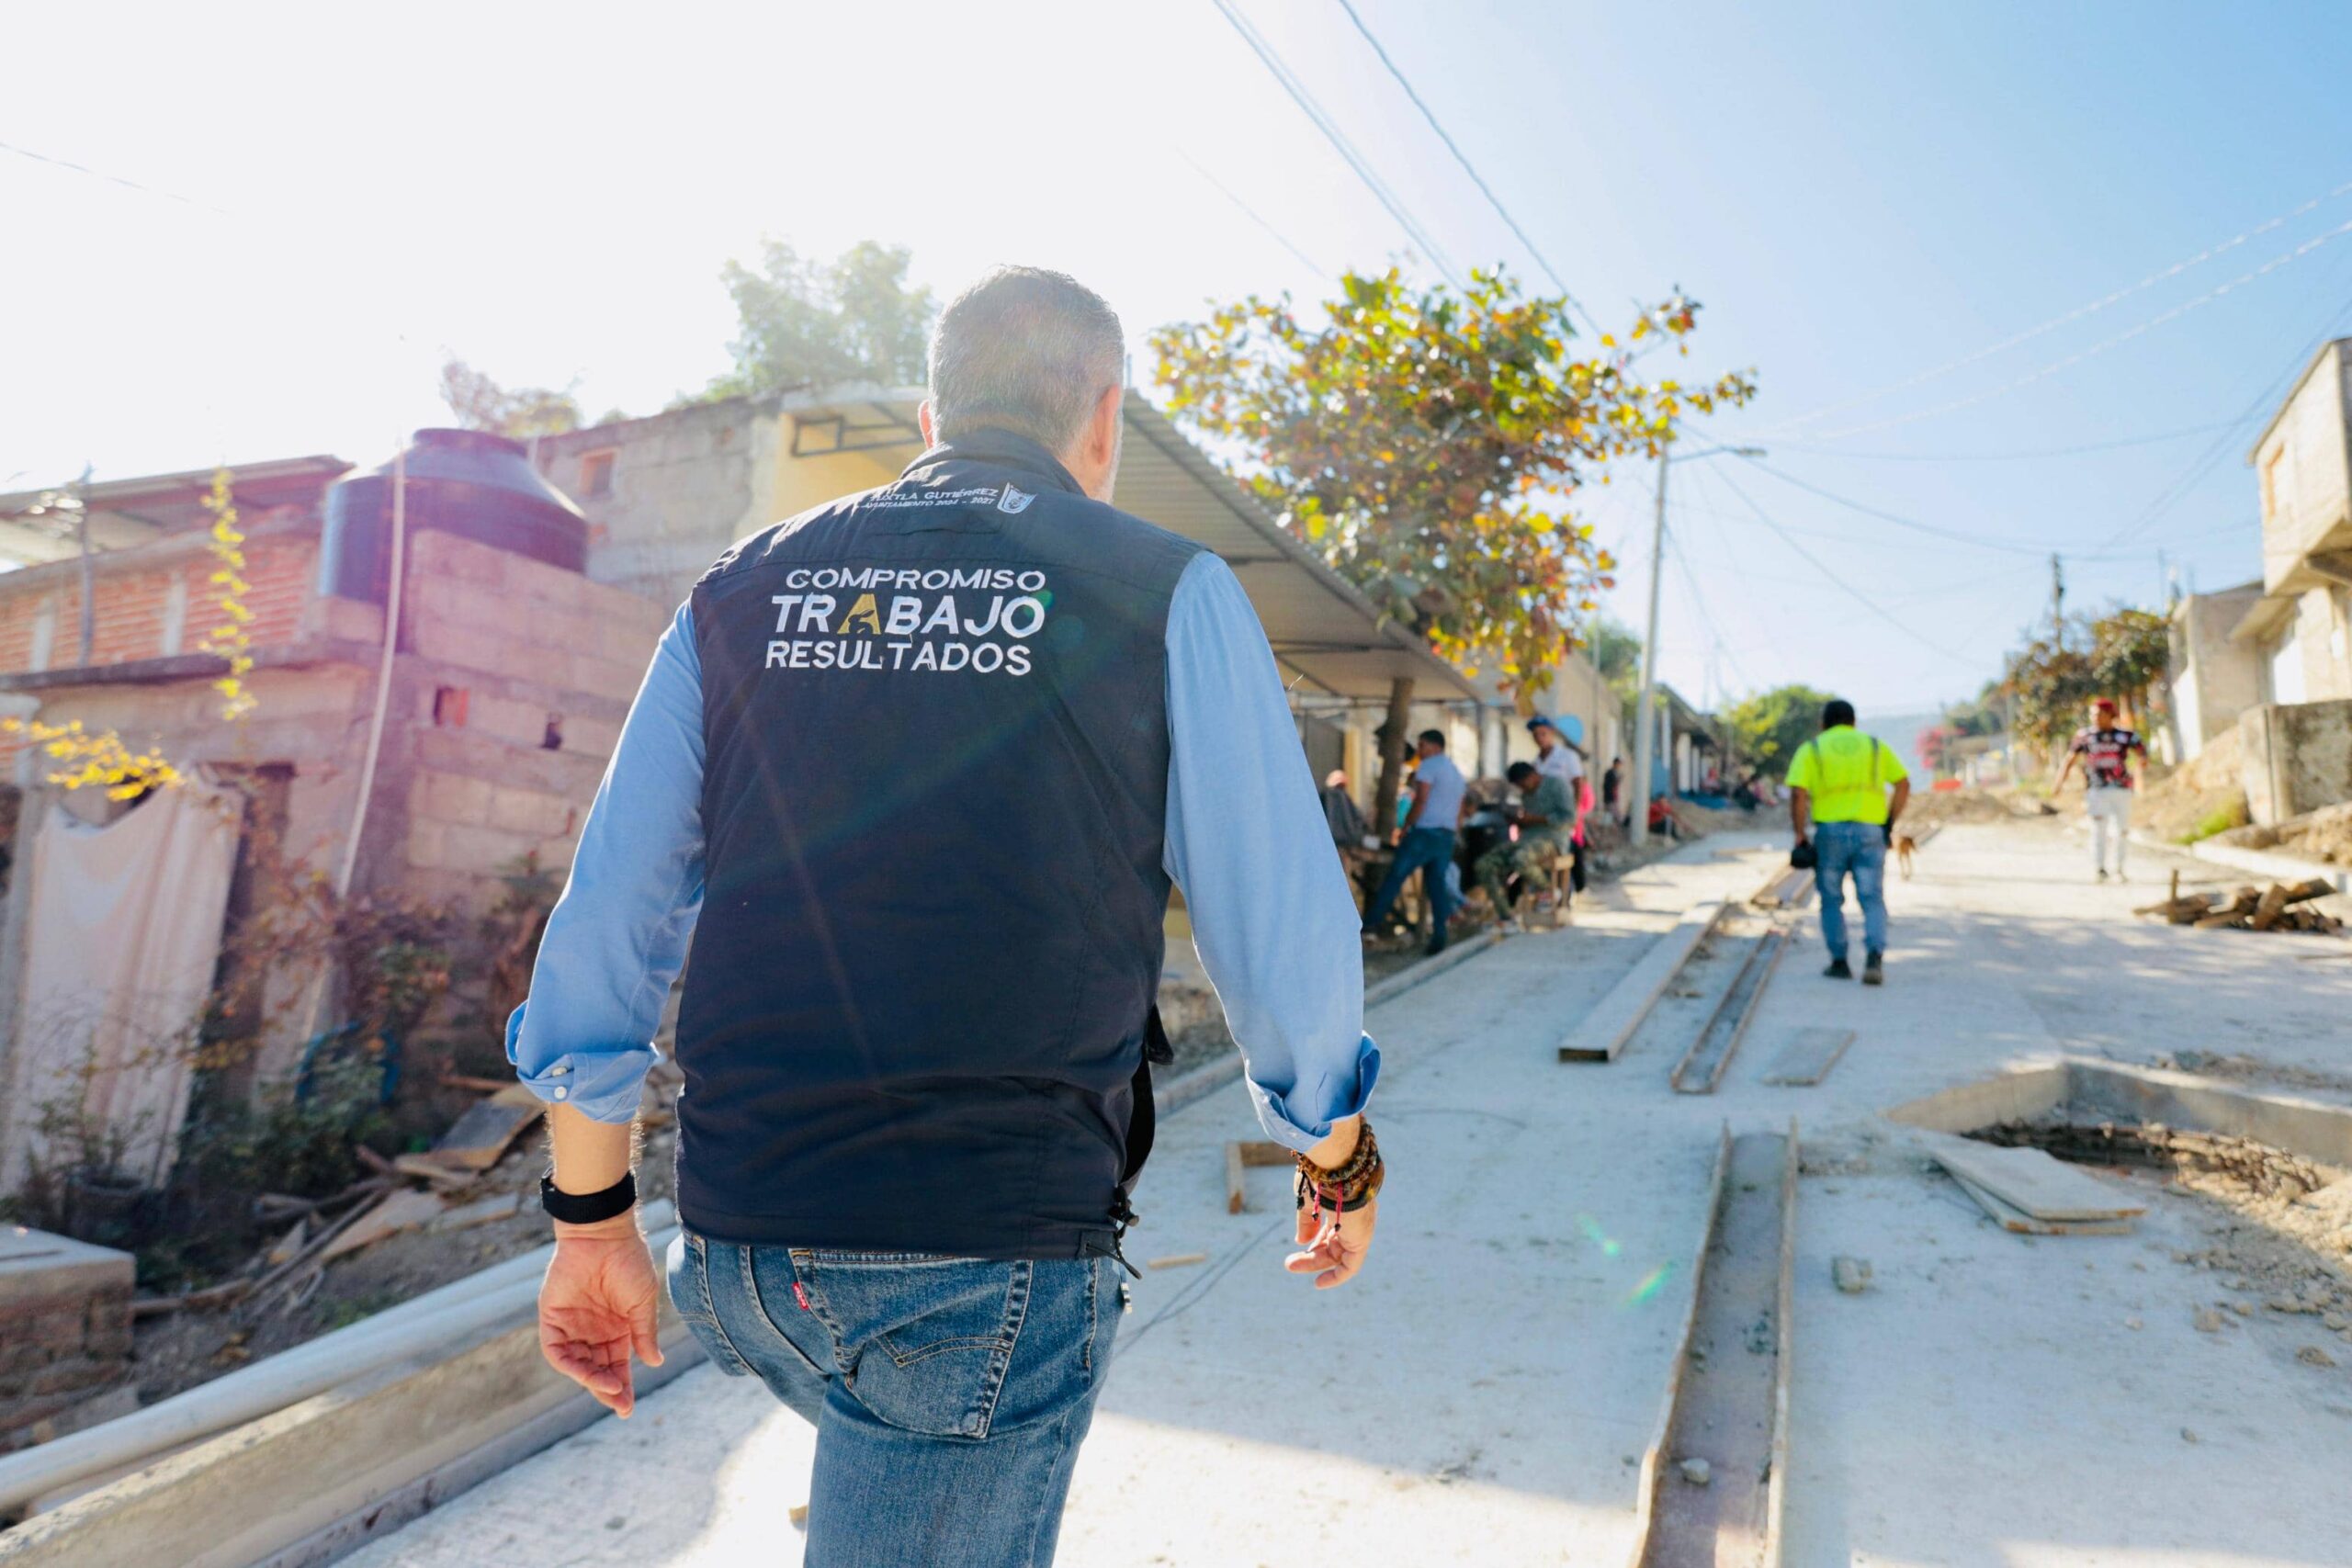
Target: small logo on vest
1014, 500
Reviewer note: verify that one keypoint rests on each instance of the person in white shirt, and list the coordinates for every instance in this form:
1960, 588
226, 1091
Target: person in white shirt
1555, 755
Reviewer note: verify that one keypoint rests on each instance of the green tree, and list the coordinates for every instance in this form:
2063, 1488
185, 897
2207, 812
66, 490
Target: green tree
2130, 652
2048, 682
2054, 679
477, 402
1426, 441
1616, 653
802, 322
1768, 726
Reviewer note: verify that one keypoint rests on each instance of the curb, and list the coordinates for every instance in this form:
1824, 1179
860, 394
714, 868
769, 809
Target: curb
1173, 1096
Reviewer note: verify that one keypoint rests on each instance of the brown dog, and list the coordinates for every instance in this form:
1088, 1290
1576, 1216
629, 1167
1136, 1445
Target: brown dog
1904, 848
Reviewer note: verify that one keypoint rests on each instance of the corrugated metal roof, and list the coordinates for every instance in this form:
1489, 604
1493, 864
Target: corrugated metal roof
1326, 634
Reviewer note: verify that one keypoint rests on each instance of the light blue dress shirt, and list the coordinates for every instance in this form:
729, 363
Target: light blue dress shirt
1272, 916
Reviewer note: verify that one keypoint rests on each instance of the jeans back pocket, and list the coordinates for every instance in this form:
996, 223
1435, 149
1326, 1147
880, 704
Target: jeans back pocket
925, 1340
688, 1269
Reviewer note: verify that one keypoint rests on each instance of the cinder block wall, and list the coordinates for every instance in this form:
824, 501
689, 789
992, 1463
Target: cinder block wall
520, 676
64, 1330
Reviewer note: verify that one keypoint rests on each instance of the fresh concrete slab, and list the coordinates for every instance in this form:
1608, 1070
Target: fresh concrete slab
1484, 1393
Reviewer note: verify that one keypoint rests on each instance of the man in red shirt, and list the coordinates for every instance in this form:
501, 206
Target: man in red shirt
2105, 751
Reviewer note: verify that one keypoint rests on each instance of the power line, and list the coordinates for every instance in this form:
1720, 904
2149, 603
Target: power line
2010, 547
2174, 492
2095, 350
1251, 213
1339, 143
112, 179
2076, 314
1468, 168
1853, 593
2013, 456
1699, 607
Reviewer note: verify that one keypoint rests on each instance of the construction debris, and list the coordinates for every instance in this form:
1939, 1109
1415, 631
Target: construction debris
396, 1212
1851, 1275
2275, 907
2027, 1190
1242, 1154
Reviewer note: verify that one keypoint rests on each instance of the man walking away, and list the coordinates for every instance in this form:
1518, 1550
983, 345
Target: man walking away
2105, 750
922, 842
1425, 842
1611, 783
1838, 801
1545, 816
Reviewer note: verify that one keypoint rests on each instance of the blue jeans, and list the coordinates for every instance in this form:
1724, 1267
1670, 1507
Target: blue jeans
1428, 851
1858, 848
949, 1394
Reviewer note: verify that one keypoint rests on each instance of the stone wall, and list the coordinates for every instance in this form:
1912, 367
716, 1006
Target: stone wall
65, 1331
2297, 758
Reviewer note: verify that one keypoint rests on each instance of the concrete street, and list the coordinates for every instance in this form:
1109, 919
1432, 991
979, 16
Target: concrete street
1483, 1393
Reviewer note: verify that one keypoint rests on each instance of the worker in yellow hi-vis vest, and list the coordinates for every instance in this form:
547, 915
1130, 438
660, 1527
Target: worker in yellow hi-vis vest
1844, 816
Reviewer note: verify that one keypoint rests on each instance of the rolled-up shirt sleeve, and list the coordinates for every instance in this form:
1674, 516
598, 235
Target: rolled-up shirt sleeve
617, 937
1272, 919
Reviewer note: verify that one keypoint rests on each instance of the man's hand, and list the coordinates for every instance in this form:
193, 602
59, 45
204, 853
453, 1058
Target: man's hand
1335, 1245
597, 1304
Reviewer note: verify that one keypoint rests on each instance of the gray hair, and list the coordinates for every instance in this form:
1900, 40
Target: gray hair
1024, 350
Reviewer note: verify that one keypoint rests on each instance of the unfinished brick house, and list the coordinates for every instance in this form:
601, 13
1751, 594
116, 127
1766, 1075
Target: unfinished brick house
503, 695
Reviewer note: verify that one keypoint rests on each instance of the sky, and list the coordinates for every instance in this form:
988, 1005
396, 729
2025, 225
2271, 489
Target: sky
1988, 262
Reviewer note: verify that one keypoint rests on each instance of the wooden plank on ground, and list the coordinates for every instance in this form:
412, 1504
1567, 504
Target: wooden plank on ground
2011, 1218
1731, 1397
1701, 1068
1246, 1154
477, 1139
403, 1210
2030, 1180
1602, 1032
1807, 1055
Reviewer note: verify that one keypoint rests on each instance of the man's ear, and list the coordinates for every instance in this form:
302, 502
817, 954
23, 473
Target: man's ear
1103, 428
923, 423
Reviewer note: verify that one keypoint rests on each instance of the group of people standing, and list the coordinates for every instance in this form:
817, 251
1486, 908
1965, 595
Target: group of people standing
1547, 820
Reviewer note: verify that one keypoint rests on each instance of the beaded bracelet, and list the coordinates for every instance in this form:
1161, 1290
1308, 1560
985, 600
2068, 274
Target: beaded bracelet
1347, 1187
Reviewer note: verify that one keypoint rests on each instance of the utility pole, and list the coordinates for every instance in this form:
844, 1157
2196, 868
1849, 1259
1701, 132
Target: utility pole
2164, 583
1637, 830
2057, 600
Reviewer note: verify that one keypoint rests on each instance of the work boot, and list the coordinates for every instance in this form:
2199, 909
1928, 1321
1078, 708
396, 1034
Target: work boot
1874, 969
1436, 946
1837, 969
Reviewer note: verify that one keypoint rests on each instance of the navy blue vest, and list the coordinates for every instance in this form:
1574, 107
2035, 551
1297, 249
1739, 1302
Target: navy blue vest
934, 797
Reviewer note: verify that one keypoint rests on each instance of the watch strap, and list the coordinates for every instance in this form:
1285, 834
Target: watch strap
588, 1208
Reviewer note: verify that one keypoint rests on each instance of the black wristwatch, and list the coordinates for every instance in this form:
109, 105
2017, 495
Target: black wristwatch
587, 1208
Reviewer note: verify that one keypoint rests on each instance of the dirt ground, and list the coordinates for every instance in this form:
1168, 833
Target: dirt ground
2188, 801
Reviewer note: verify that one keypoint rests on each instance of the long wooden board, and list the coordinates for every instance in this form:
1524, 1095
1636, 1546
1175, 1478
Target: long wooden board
1787, 888
1807, 1055
1730, 1401
1602, 1034
2030, 1180
1701, 1068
